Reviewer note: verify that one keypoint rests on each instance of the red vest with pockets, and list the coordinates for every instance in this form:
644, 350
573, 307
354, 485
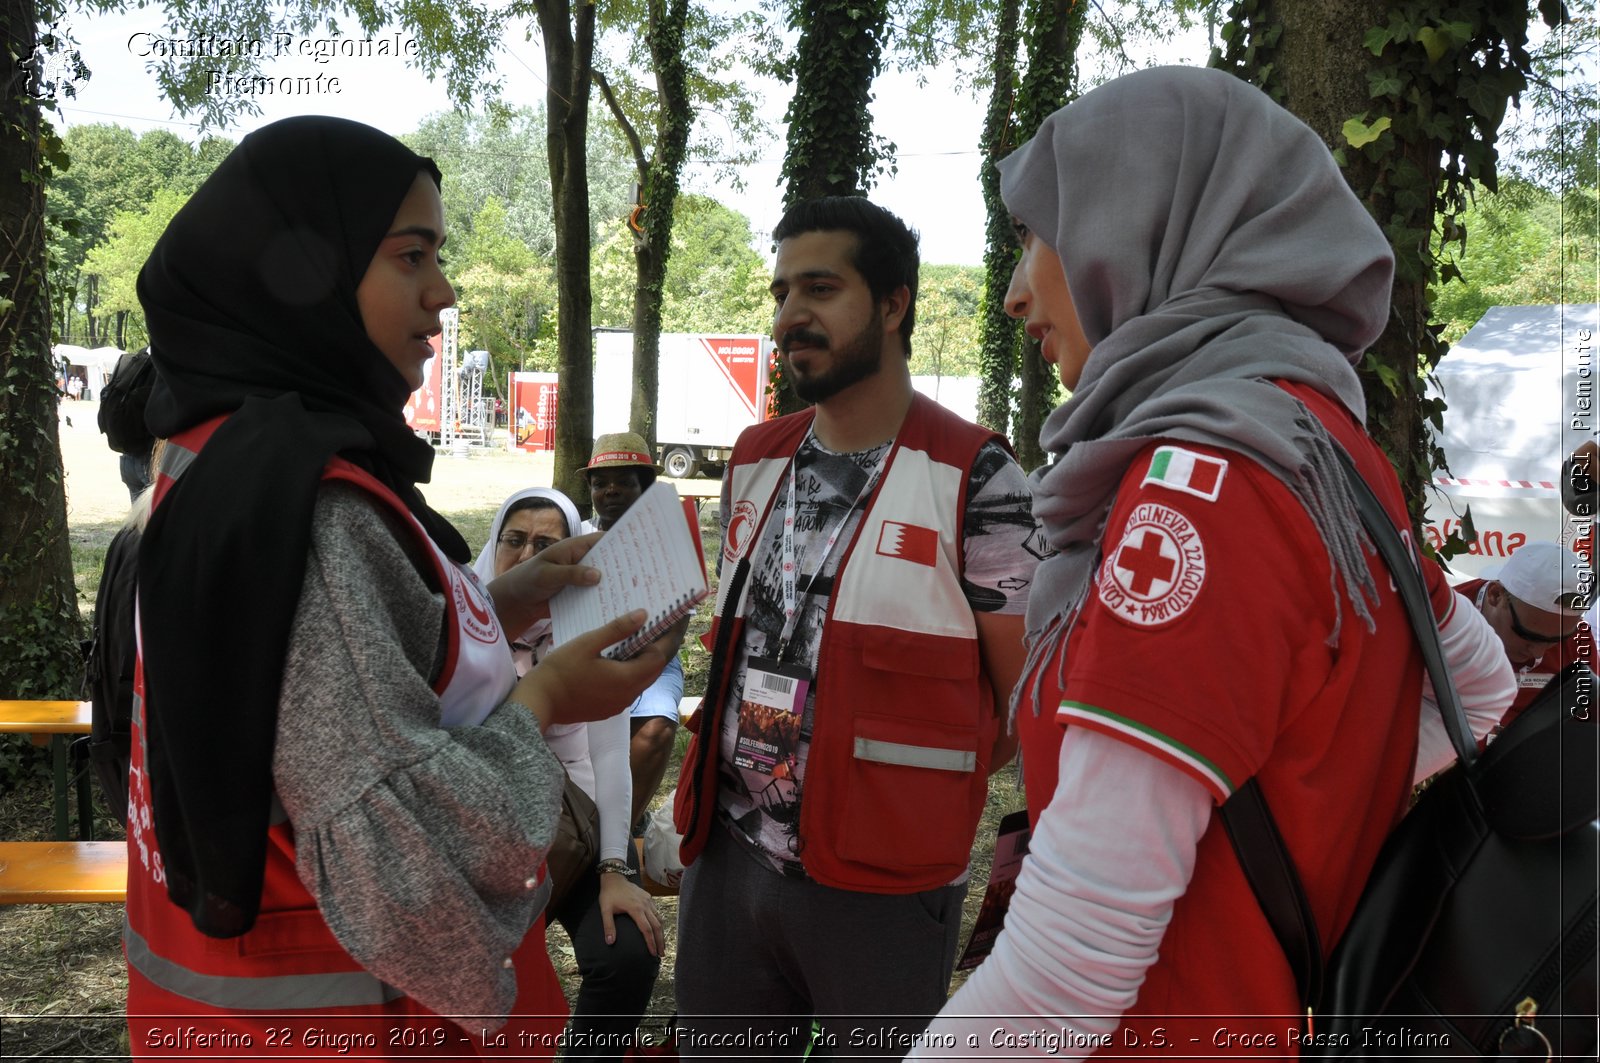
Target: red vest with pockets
905, 721
286, 986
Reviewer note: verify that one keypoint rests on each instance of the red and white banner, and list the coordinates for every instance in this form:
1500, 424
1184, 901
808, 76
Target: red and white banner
423, 407
533, 411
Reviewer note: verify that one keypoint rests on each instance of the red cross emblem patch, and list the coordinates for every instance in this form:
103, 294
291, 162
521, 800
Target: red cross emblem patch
1155, 573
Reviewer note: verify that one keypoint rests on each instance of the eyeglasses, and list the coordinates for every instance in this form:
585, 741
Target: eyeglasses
1530, 636
517, 541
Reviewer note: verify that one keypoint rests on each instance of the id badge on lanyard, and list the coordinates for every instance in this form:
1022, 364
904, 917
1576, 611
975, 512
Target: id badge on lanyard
768, 737
768, 740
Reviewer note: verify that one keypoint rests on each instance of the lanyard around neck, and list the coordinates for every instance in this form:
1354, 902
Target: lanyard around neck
792, 600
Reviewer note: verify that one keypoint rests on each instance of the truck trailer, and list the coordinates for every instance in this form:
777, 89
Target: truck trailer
712, 387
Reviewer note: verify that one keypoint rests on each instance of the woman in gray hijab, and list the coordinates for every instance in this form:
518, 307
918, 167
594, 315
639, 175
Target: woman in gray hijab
1203, 279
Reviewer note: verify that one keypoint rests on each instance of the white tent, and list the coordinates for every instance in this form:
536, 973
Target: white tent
96, 364
1520, 393
70, 353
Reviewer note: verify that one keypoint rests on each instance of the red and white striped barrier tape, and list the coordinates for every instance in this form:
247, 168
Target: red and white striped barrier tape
1447, 481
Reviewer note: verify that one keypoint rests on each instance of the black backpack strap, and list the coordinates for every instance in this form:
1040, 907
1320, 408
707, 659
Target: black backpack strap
1266, 864
1414, 595
1248, 820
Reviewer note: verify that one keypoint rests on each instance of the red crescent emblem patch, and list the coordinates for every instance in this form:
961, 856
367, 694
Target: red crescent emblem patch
740, 528
477, 618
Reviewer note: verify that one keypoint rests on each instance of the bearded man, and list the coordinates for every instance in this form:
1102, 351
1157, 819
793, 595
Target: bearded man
877, 551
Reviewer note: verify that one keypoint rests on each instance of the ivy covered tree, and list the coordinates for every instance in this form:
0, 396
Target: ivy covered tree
1052, 35
1049, 32
1410, 96
830, 149
684, 47
999, 334
715, 281
39, 625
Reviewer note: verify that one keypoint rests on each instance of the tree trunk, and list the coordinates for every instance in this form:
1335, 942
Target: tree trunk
658, 182
998, 331
39, 624
1323, 69
1055, 28
650, 267
90, 320
63, 312
569, 52
830, 149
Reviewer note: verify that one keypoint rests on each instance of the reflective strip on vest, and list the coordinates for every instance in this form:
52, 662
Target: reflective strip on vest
916, 756
284, 992
175, 460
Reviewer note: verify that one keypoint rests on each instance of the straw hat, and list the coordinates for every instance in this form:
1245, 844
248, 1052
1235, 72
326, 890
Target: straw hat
615, 450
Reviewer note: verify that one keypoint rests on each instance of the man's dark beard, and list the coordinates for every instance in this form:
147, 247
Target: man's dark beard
853, 361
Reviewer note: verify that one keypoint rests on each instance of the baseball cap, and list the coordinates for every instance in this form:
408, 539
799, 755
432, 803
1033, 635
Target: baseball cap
1548, 576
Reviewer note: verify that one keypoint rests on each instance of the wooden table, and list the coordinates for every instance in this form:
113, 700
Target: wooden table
55, 722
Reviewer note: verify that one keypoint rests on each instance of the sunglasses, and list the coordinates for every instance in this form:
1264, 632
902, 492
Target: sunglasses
1530, 636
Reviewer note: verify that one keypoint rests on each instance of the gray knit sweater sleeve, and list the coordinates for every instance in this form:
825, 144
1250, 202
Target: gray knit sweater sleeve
417, 842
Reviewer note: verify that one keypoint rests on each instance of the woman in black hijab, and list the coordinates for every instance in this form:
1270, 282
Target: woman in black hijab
338, 774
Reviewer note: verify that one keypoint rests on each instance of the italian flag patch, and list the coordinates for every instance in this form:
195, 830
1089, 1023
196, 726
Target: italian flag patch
1184, 470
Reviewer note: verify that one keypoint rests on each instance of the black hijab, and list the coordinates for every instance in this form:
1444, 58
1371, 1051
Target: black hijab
250, 297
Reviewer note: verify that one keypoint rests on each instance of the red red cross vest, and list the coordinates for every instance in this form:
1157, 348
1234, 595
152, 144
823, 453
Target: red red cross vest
287, 987
898, 768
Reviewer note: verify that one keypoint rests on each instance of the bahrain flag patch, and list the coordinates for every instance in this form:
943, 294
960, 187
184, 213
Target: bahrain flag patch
910, 542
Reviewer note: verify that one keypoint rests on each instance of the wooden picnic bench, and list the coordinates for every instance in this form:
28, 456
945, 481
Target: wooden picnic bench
55, 722
63, 872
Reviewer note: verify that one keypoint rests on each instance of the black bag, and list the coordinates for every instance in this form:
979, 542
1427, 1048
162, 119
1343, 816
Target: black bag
108, 671
1476, 932
122, 403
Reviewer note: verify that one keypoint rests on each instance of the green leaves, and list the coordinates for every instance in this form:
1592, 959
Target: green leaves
1439, 78
1439, 40
831, 149
1358, 133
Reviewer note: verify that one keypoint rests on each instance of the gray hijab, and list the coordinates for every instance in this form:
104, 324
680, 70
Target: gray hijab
1211, 246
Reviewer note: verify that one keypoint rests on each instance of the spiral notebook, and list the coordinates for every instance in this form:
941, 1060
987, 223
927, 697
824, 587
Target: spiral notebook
647, 560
